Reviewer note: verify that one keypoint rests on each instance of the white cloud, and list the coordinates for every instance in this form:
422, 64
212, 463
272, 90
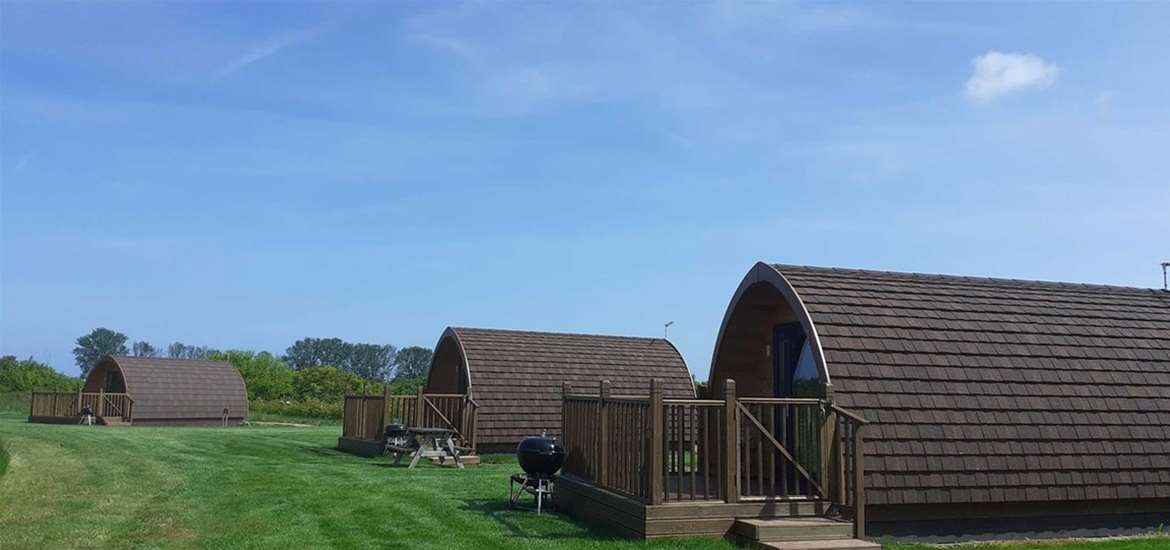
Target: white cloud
267, 48
998, 74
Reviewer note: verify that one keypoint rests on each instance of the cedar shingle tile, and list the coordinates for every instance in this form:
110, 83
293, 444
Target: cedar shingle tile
501, 362
1051, 390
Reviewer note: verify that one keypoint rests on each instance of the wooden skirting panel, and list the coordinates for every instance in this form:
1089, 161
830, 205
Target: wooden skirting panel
632, 518
911, 512
599, 507
159, 422
360, 447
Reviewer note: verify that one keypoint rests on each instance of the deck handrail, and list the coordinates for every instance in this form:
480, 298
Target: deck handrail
71, 404
716, 449
365, 416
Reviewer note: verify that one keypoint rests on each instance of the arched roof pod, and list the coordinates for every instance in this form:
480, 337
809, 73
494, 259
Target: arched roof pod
175, 390
1002, 384
517, 376
763, 298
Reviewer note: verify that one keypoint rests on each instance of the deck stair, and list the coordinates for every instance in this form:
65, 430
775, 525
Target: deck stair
805, 533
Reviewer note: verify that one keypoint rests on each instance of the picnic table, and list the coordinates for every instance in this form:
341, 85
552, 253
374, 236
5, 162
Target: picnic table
441, 443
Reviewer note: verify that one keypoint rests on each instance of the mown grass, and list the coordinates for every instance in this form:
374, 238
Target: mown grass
256, 487
253, 487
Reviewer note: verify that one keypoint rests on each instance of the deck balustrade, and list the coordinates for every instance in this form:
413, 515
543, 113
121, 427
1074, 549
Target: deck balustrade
655, 450
71, 404
366, 416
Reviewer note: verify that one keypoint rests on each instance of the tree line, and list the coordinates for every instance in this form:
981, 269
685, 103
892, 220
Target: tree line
378, 363
308, 380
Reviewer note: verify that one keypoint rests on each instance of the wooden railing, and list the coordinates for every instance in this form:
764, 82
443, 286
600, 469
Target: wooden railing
366, 416
845, 462
780, 448
693, 447
70, 405
658, 450
604, 446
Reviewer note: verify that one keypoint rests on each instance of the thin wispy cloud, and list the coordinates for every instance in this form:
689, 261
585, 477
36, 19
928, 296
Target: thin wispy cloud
998, 74
267, 48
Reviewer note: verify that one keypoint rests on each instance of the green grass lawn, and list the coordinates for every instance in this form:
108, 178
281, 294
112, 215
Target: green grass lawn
252, 487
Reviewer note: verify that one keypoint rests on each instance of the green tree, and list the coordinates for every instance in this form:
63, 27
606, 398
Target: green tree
30, 375
412, 362
325, 383
143, 349
179, 350
371, 361
97, 344
266, 376
318, 352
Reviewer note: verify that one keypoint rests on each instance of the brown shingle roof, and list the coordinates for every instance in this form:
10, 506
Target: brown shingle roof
993, 390
516, 376
182, 389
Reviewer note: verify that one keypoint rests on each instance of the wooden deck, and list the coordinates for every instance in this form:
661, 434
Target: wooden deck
109, 409
713, 518
742, 468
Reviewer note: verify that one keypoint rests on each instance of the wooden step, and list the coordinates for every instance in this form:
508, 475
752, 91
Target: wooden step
792, 529
111, 421
842, 544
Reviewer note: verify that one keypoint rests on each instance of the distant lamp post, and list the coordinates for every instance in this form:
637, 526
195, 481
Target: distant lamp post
666, 330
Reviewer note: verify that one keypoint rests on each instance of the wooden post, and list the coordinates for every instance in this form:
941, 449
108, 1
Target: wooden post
839, 447
858, 483
420, 408
474, 423
385, 403
565, 389
101, 402
603, 433
730, 443
654, 443
828, 434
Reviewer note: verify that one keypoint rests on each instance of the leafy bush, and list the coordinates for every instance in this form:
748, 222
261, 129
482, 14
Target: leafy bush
15, 402
30, 375
407, 386
267, 377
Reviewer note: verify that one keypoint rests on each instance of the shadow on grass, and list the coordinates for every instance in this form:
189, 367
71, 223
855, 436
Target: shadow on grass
325, 451
500, 511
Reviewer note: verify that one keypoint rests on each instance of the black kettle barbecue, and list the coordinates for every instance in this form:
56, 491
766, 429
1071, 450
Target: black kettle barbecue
540, 456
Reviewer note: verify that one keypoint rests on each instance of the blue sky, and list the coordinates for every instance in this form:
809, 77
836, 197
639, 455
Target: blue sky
244, 175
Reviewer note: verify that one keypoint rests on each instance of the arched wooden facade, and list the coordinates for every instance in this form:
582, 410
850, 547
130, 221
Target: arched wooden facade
986, 396
173, 391
517, 376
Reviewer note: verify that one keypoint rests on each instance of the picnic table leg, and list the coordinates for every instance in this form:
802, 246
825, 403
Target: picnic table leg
454, 452
417, 455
